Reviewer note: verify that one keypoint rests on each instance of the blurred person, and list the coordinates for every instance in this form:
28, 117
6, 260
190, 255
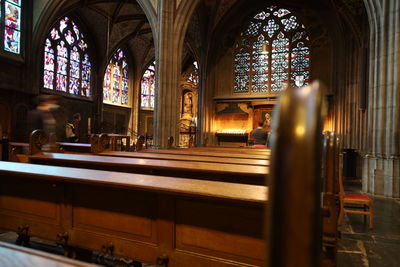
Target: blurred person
42, 117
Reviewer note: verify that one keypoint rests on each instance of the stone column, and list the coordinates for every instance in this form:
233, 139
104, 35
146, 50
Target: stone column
173, 19
382, 159
166, 112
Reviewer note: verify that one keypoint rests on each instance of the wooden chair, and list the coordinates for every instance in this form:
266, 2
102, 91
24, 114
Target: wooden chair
360, 204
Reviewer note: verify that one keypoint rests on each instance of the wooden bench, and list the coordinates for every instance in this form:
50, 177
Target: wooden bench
159, 220
248, 174
12, 255
249, 150
206, 153
194, 222
75, 147
193, 158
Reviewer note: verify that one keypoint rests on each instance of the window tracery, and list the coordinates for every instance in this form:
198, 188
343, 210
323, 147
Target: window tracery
67, 66
147, 87
12, 25
271, 53
116, 80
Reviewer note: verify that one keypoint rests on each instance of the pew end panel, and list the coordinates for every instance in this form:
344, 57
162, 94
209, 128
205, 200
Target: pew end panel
33, 206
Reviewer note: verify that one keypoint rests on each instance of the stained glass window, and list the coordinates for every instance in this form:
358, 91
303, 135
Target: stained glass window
271, 52
12, 26
116, 80
193, 76
67, 66
147, 88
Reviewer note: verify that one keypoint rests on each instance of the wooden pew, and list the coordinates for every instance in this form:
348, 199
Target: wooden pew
193, 158
330, 200
75, 147
12, 255
247, 150
293, 217
185, 151
159, 220
248, 174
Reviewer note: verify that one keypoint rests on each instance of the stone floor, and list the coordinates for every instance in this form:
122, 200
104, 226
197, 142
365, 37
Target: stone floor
379, 247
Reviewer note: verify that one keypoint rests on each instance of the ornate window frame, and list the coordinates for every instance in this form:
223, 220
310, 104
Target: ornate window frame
116, 89
147, 91
272, 51
67, 60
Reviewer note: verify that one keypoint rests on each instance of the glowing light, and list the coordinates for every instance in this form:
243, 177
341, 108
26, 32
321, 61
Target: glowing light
300, 130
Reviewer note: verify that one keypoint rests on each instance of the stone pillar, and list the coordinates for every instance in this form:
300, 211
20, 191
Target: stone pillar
168, 54
173, 20
381, 161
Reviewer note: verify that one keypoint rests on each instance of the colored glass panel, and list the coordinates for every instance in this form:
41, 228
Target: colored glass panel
300, 66
193, 76
279, 62
76, 30
49, 61
242, 68
261, 16
62, 63
290, 23
12, 40
271, 28
259, 79
145, 101
73, 86
267, 56
61, 83
48, 79
54, 34
12, 17
253, 28
63, 24
69, 37
116, 82
148, 87
85, 91
281, 12
72, 67
106, 84
12, 26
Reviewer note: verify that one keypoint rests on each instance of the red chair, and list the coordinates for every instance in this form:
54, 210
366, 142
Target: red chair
360, 204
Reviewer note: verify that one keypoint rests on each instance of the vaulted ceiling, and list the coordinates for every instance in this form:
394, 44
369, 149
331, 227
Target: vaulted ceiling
113, 24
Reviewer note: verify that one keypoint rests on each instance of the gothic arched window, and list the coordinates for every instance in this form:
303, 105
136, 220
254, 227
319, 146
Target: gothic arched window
271, 52
67, 66
193, 76
12, 25
116, 80
147, 86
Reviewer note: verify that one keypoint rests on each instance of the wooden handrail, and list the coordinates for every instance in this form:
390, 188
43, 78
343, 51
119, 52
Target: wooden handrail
294, 214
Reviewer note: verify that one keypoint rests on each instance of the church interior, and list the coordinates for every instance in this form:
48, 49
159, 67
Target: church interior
128, 133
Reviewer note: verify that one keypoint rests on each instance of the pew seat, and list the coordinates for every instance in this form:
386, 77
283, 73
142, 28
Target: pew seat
248, 174
193, 158
212, 153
